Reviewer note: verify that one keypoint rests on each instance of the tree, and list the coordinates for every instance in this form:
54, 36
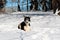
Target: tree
34, 5
44, 7
2, 3
19, 5
27, 5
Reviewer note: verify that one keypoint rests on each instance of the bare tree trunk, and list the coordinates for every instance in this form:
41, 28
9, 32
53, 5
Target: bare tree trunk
19, 5
2, 5
27, 5
34, 5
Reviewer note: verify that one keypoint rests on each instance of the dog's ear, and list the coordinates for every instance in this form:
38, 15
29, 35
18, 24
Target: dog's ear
26, 16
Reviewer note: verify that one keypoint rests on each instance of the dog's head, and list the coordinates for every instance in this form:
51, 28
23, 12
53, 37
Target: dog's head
27, 19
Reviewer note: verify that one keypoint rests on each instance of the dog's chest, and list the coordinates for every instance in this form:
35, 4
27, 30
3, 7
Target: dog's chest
27, 28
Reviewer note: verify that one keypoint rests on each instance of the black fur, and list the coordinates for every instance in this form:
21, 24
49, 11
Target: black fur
22, 25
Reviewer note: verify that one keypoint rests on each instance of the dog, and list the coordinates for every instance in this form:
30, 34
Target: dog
25, 25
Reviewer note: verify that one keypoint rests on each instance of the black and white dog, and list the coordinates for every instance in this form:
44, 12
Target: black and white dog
25, 25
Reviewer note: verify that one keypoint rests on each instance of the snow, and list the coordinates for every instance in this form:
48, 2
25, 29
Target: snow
44, 26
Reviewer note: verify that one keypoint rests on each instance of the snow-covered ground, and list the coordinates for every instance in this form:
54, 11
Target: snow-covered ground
44, 26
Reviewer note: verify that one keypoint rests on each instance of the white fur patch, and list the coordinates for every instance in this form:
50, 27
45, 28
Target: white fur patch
27, 28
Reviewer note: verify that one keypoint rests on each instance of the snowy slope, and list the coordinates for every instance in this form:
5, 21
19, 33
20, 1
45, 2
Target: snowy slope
44, 26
